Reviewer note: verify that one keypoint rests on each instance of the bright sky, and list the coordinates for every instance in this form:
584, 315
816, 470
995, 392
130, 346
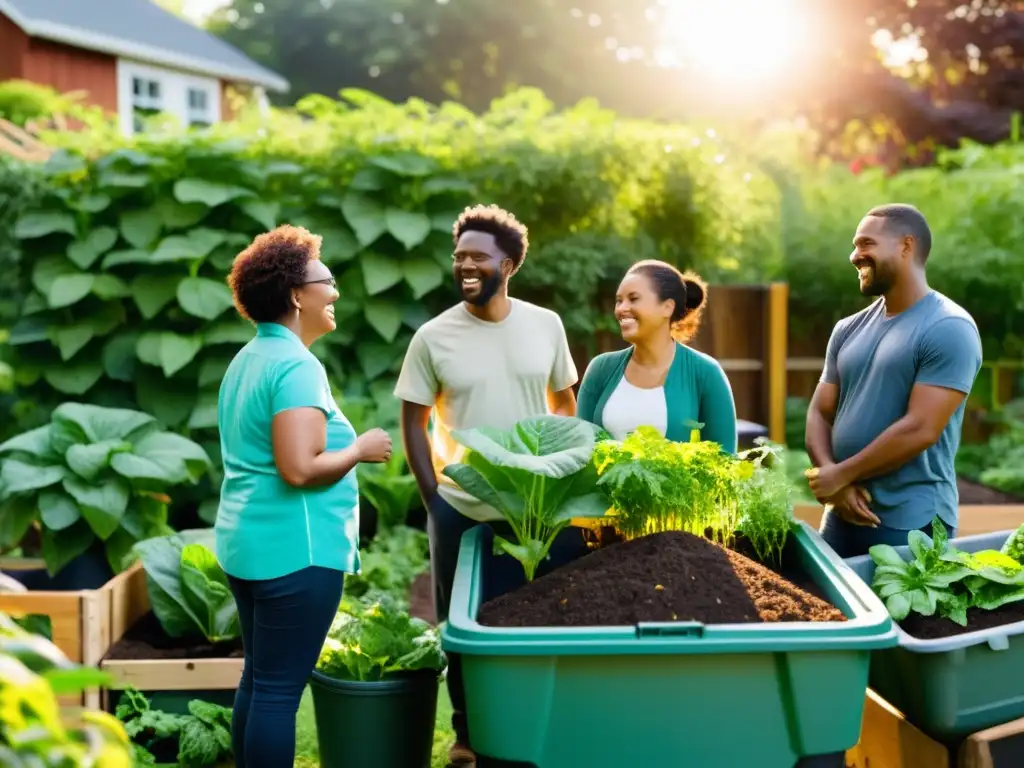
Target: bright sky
200, 9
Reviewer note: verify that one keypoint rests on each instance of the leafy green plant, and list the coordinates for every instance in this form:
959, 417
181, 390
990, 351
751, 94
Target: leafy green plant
654, 484
943, 579
1014, 545
126, 301
374, 640
92, 474
766, 502
538, 475
188, 590
391, 563
33, 729
203, 736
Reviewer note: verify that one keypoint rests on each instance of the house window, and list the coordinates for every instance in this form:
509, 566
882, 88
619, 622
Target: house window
146, 101
145, 90
199, 113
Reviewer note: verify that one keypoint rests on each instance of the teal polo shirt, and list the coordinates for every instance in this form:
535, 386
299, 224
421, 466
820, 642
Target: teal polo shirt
266, 528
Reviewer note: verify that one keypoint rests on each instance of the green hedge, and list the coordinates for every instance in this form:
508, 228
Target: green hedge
125, 254
125, 250
973, 200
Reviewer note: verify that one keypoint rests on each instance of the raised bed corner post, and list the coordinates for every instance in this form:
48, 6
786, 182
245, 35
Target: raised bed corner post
776, 371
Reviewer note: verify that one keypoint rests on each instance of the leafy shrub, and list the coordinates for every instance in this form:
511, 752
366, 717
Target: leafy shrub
202, 737
33, 729
91, 474
376, 639
136, 239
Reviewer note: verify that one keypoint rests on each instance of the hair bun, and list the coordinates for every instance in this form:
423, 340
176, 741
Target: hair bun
694, 294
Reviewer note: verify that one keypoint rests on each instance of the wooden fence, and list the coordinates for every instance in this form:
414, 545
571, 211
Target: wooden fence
745, 328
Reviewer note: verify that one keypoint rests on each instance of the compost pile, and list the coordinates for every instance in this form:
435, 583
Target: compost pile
662, 577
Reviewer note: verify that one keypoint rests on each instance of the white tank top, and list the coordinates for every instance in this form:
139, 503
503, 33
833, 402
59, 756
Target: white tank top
630, 407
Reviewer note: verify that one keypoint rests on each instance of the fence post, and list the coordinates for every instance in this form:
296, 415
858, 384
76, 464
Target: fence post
777, 357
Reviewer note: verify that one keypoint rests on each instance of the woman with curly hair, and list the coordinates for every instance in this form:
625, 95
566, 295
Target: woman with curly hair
657, 380
288, 523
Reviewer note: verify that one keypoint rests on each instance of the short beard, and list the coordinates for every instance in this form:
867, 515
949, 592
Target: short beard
488, 290
876, 287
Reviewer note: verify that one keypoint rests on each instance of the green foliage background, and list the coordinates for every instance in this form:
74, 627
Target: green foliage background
121, 250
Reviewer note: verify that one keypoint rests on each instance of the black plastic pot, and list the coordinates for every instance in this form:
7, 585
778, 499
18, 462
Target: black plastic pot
384, 724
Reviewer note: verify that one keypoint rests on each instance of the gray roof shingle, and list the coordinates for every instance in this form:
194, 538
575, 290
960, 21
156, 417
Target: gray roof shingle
140, 30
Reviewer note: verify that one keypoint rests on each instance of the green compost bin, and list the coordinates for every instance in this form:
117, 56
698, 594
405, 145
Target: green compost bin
951, 687
675, 694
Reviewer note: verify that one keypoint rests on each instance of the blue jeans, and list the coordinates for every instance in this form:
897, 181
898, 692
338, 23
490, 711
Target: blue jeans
284, 625
850, 540
445, 527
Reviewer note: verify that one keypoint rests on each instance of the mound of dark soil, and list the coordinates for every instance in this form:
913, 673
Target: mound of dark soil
671, 576
934, 627
146, 639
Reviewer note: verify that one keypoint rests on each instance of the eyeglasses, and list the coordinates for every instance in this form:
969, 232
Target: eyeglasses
326, 281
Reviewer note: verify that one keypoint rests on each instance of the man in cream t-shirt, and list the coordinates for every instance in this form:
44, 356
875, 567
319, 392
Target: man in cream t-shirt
490, 360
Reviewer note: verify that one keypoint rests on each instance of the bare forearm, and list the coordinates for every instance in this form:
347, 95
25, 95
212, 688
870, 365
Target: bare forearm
818, 440
897, 445
328, 468
419, 457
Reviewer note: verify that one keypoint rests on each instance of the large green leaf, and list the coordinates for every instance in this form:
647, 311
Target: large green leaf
16, 516
197, 245
69, 289
365, 216
90, 459
33, 224
84, 253
18, 477
119, 356
57, 510
141, 228
205, 588
75, 379
35, 443
61, 547
379, 272
154, 292
264, 212
96, 424
169, 351
205, 298
163, 457
422, 274
161, 559
384, 316
102, 505
548, 446
408, 227
209, 193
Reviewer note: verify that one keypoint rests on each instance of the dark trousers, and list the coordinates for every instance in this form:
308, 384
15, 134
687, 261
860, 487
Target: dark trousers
284, 625
445, 527
849, 540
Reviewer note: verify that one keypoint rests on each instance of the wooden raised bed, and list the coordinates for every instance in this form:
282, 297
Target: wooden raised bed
974, 519
175, 678
83, 621
887, 740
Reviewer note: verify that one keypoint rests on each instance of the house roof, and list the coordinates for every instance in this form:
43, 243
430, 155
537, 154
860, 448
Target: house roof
139, 30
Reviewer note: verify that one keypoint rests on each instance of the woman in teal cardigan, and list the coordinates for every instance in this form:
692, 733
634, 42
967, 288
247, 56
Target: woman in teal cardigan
659, 381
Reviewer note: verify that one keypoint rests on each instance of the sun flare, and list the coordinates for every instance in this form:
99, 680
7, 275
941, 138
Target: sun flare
741, 42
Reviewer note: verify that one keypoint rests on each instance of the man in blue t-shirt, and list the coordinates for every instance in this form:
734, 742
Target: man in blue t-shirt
884, 424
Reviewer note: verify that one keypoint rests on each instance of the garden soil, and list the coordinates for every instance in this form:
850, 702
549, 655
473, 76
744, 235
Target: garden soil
147, 640
934, 627
672, 576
